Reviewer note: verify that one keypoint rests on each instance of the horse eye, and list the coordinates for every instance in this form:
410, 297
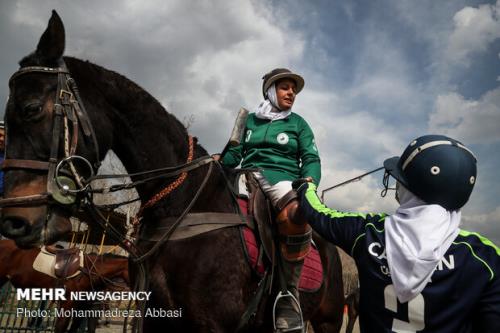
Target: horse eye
32, 109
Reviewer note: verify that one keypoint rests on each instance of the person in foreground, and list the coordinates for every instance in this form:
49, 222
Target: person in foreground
281, 145
418, 271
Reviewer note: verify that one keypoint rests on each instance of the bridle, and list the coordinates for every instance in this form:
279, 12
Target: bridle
68, 111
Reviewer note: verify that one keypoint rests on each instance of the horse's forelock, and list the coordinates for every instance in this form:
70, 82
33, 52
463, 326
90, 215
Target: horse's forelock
34, 59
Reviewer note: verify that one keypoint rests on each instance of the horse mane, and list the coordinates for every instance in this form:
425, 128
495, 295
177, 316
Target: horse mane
134, 105
136, 99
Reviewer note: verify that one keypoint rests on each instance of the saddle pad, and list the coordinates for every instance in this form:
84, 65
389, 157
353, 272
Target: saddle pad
311, 277
45, 261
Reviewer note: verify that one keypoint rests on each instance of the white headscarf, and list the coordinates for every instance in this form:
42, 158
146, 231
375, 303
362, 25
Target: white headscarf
268, 108
416, 238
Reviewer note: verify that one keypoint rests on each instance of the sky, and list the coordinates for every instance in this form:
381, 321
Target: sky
378, 74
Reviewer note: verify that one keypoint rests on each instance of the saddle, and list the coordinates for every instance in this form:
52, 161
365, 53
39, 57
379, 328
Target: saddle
261, 251
67, 262
259, 243
262, 212
59, 263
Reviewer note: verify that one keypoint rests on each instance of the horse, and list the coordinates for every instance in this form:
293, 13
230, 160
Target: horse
207, 276
98, 272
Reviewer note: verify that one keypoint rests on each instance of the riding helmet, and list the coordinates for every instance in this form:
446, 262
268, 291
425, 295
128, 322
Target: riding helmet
437, 169
281, 73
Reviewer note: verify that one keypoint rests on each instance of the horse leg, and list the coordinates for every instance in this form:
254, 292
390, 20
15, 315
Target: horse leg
331, 307
62, 322
92, 324
76, 322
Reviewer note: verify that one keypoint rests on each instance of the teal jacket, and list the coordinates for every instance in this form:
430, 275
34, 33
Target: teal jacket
283, 149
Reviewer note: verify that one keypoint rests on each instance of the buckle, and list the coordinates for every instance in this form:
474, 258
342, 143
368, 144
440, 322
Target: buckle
63, 93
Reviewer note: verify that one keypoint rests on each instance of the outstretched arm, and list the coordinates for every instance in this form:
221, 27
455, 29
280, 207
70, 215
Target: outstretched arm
340, 228
487, 314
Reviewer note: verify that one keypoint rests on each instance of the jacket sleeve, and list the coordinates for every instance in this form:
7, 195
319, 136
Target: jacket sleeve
340, 228
233, 156
487, 318
308, 154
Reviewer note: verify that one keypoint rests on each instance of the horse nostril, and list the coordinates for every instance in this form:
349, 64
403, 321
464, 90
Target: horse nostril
13, 227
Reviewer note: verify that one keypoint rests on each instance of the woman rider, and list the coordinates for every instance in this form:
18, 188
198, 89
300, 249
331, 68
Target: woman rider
281, 145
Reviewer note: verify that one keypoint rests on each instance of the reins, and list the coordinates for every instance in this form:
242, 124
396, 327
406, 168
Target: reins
69, 116
358, 178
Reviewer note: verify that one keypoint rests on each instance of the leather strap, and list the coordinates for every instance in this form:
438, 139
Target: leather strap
28, 200
192, 225
285, 200
67, 106
38, 69
24, 164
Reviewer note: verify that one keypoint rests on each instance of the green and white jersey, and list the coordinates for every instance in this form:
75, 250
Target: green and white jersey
283, 149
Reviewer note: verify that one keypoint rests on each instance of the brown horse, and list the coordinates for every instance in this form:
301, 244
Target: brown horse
17, 267
207, 276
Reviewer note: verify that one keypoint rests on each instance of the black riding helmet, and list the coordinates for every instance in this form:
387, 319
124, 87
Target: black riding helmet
437, 169
278, 74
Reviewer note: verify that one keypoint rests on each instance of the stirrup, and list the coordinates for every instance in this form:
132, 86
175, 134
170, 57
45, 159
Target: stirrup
299, 328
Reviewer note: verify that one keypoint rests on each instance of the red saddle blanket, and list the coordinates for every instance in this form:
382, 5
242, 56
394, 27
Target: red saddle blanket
311, 277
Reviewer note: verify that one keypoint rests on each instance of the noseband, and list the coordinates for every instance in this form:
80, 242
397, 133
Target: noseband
68, 108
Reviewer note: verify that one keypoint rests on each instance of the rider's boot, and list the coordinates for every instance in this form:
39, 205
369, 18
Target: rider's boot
295, 243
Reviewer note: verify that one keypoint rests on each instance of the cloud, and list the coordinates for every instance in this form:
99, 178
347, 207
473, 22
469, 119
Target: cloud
201, 60
485, 224
359, 196
474, 30
222, 80
473, 121
376, 77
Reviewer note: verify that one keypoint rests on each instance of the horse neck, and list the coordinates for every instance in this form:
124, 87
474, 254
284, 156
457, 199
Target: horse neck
143, 135
107, 267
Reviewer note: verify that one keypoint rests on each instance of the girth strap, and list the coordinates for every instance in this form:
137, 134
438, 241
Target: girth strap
192, 225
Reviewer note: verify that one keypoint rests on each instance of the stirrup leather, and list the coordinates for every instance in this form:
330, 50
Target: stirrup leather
297, 329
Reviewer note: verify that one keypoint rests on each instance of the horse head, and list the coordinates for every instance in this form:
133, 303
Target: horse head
45, 123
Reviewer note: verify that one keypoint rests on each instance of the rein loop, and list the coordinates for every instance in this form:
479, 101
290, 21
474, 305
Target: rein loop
172, 186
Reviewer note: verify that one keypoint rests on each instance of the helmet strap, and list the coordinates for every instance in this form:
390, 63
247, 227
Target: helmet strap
385, 183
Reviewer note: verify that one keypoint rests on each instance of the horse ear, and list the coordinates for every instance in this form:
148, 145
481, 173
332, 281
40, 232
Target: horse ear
51, 44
